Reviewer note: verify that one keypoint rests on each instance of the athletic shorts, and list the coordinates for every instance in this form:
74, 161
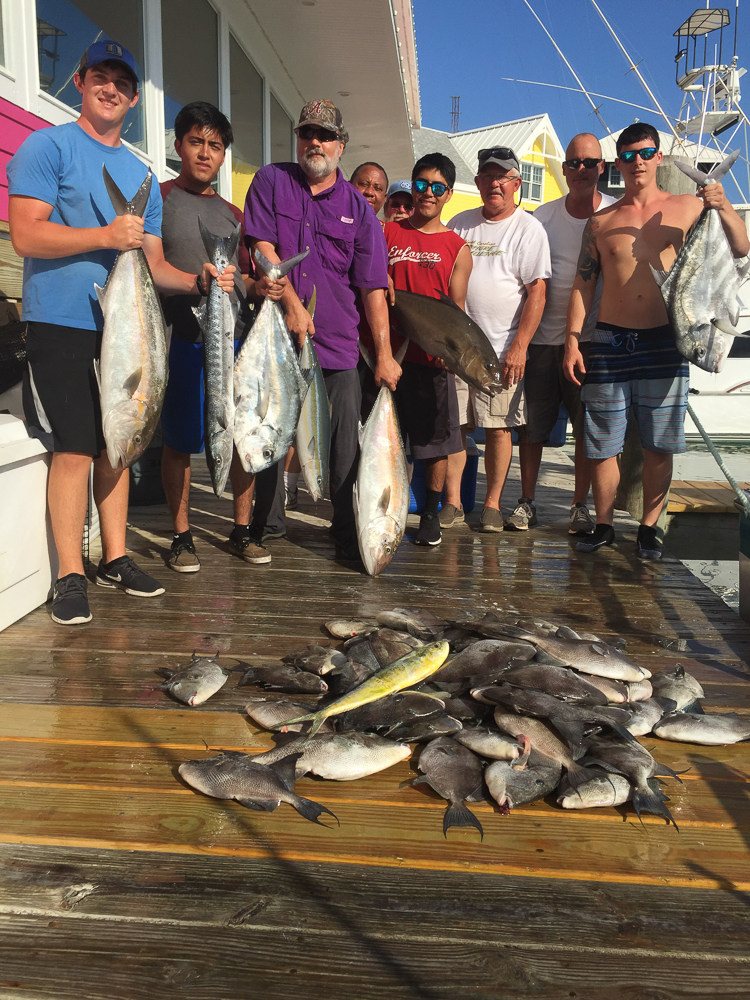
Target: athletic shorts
428, 411
182, 413
638, 368
507, 408
60, 389
546, 388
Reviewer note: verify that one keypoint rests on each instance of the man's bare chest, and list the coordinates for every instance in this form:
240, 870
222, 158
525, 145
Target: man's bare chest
630, 239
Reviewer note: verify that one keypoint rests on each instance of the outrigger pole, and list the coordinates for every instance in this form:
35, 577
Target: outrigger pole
575, 90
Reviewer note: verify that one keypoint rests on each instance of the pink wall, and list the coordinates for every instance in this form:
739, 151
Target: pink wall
15, 125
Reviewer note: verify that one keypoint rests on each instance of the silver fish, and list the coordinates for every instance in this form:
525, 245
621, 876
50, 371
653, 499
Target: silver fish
132, 369
339, 756
488, 742
268, 712
588, 657
614, 691
424, 730
197, 682
421, 624
316, 659
455, 773
701, 289
392, 711
714, 730
643, 716
603, 790
234, 775
561, 682
217, 318
511, 786
485, 658
381, 492
284, 677
544, 741
345, 628
635, 762
269, 387
388, 645
677, 691
313, 438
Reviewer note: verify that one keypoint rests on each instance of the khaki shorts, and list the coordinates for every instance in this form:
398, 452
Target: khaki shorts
507, 408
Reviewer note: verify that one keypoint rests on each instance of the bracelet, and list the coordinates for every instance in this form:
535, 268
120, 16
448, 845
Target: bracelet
199, 284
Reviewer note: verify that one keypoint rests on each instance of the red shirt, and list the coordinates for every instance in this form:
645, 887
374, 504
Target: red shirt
422, 263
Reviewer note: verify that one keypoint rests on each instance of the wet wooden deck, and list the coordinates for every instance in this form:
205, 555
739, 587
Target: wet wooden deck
118, 883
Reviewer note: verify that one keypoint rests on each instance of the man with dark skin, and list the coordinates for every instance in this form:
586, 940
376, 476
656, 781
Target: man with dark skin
633, 358
371, 180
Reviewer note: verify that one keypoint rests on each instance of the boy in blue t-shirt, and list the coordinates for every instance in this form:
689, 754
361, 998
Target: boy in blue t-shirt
63, 223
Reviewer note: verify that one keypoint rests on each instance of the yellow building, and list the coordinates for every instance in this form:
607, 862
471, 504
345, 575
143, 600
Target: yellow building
533, 140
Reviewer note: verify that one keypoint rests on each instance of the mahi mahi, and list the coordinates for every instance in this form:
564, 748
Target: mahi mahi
133, 367
269, 387
416, 666
444, 330
701, 289
217, 318
313, 439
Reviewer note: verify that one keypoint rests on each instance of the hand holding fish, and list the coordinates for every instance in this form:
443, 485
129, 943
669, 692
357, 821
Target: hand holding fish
387, 371
713, 196
267, 288
225, 280
298, 320
125, 232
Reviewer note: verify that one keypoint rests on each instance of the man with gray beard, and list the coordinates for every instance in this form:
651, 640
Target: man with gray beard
309, 205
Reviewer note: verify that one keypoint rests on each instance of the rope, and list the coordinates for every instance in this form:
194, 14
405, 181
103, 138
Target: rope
742, 499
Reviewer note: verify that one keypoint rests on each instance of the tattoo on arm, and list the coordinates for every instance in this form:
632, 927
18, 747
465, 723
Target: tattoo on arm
588, 261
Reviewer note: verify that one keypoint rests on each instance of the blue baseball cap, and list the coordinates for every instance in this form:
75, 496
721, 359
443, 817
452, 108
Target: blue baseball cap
399, 187
104, 50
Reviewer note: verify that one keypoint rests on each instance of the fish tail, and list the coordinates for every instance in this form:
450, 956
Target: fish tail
292, 722
460, 815
311, 810
647, 800
120, 203
577, 774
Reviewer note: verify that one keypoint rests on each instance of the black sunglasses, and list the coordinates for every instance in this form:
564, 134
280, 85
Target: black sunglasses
645, 154
497, 153
437, 188
321, 134
589, 163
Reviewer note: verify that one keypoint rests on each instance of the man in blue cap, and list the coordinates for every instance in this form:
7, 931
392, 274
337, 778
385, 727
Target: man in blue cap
399, 203
63, 223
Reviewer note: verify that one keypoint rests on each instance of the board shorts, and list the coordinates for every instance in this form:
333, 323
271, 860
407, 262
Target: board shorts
427, 408
60, 390
546, 388
182, 412
638, 368
507, 408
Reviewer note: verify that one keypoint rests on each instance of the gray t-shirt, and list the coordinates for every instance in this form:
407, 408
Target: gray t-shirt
183, 249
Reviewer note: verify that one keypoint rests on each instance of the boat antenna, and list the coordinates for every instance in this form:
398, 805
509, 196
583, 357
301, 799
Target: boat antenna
736, 18
638, 73
575, 75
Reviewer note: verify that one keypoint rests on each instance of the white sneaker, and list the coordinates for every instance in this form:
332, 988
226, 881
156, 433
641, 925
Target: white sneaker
581, 521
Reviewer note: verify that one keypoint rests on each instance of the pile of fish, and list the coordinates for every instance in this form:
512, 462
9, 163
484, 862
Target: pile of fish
489, 711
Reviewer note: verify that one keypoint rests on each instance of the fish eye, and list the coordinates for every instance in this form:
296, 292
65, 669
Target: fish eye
388, 550
218, 459
268, 453
137, 439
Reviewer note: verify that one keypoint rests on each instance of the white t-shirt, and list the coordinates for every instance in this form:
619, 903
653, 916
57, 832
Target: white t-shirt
508, 255
564, 233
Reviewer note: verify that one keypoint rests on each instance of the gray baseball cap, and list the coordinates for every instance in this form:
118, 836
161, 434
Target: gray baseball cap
399, 187
503, 156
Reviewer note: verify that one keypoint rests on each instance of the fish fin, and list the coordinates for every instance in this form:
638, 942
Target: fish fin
100, 294
138, 204
164, 672
719, 170
209, 240
311, 303
567, 633
421, 779
264, 402
308, 374
368, 358
384, 501
360, 432
693, 173
132, 382
288, 722
200, 314
401, 352
622, 731
600, 648
286, 769
285, 266
478, 794
694, 708
725, 325
265, 806
460, 815
449, 301
312, 810
570, 729
98, 372
668, 704
578, 774
659, 276
118, 199
667, 772
647, 800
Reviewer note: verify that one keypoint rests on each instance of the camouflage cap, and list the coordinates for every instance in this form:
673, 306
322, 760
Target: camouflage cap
326, 115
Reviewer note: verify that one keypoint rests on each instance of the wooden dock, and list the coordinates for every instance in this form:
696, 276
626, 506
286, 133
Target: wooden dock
702, 497
119, 883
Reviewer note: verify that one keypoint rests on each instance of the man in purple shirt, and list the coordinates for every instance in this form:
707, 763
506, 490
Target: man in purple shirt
292, 207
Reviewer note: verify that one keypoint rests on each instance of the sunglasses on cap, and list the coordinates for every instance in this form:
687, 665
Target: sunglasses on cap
645, 154
437, 188
496, 153
307, 132
589, 163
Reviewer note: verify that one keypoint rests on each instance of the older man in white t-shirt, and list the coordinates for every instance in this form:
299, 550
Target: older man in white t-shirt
506, 298
545, 385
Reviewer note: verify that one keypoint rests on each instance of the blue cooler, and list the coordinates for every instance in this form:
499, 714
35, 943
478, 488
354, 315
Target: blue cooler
417, 489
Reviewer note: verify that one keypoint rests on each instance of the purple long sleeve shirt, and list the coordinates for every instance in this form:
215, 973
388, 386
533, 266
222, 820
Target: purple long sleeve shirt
346, 243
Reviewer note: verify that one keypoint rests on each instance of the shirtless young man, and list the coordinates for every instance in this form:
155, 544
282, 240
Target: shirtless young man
633, 357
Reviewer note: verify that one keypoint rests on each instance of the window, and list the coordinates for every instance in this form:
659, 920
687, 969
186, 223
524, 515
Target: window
532, 176
65, 29
246, 91
190, 46
615, 177
281, 134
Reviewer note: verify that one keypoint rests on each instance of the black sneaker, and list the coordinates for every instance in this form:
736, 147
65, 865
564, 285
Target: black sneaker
70, 603
648, 545
429, 530
604, 534
124, 573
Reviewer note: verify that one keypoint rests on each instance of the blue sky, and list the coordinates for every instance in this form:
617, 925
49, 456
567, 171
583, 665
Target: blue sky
467, 48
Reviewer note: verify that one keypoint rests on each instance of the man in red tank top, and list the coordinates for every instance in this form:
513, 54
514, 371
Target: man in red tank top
427, 258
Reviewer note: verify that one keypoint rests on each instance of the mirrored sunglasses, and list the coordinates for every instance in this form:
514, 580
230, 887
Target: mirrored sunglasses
645, 154
437, 188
